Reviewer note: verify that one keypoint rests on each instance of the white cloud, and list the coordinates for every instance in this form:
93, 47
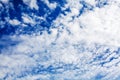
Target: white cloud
91, 2
31, 3
50, 5
14, 22
27, 19
98, 24
5, 1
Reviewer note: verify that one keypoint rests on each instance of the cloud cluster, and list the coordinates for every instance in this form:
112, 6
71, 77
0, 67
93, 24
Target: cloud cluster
83, 44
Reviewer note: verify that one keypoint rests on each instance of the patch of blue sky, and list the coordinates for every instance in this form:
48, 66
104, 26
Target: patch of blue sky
60, 2
85, 6
101, 3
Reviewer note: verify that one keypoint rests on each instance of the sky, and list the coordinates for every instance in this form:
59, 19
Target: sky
59, 40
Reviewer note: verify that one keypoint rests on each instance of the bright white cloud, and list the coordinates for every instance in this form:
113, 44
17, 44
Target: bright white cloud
31, 3
14, 22
27, 19
50, 5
